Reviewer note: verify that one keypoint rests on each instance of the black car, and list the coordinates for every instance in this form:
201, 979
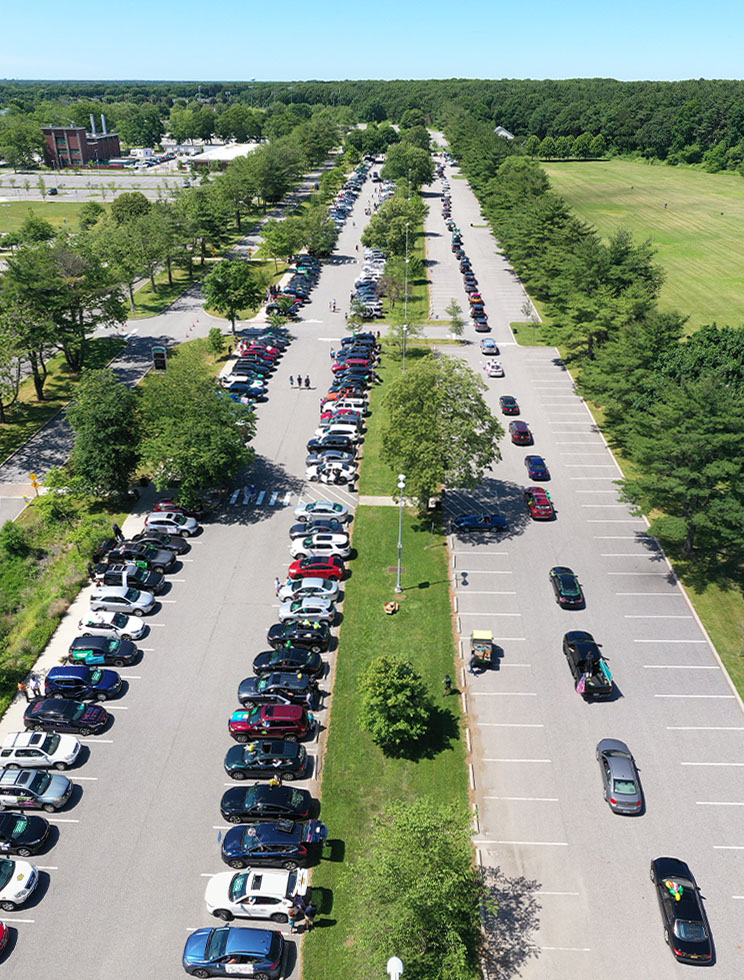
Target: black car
54, 715
567, 588
23, 835
288, 658
103, 548
686, 928
266, 757
103, 650
82, 682
263, 802
331, 442
329, 456
589, 669
127, 573
277, 844
281, 687
480, 522
153, 559
324, 525
161, 539
316, 637
509, 405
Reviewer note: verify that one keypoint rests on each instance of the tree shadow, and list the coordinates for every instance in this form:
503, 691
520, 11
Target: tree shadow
267, 477
490, 496
507, 927
443, 730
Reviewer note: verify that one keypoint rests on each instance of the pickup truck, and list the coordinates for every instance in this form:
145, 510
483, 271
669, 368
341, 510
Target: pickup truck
590, 672
127, 573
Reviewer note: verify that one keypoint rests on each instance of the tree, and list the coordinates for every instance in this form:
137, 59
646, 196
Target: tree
238, 186
231, 286
689, 453
532, 146
10, 367
439, 429
90, 213
417, 891
547, 148
25, 312
598, 146
35, 229
457, 320
128, 206
21, 141
280, 239
319, 233
103, 417
396, 707
190, 436
403, 160
582, 145
215, 342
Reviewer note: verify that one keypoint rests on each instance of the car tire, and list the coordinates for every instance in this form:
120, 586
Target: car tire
279, 917
666, 936
237, 863
288, 776
87, 634
84, 732
651, 875
233, 819
59, 766
241, 738
57, 695
37, 728
223, 914
119, 663
316, 649
49, 808
202, 974
261, 976
238, 774
7, 906
160, 569
288, 865
138, 612
101, 696
24, 852
300, 555
13, 765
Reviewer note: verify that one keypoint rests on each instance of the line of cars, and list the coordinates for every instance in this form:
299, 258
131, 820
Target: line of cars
685, 924
293, 295
366, 294
33, 762
341, 206
257, 359
477, 307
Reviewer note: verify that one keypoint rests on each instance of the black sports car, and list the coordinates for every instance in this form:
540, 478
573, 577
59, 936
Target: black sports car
480, 522
316, 637
21, 834
61, 715
263, 802
277, 688
289, 658
686, 928
278, 844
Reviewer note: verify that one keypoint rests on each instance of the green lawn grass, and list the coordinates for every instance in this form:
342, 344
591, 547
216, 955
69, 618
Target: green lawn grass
28, 414
14, 213
697, 235
357, 779
418, 289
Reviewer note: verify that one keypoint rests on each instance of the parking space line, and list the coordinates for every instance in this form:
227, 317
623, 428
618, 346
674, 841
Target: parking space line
147, 649
673, 595
272, 500
117, 707
189, 559
705, 728
6, 919
588, 466
47, 867
525, 799
556, 893
595, 452
614, 520
539, 761
86, 779
489, 614
604, 505
525, 843
669, 641
609, 490
481, 554
97, 741
504, 694
656, 616
469, 592
260, 497
724, 764
717, 803
594, 478
681, 667
508, 724
218, 827
61, 820
659, 574
169, 601
567, 949
708, 697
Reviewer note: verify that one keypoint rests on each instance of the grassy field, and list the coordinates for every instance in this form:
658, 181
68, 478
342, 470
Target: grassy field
14, 213
357, 779
694, 220
28, 414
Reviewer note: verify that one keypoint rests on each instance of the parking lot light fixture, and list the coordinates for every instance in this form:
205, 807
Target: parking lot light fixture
394, 968
401, 488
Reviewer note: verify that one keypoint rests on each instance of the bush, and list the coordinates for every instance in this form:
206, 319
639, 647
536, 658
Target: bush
396, 706
13, 541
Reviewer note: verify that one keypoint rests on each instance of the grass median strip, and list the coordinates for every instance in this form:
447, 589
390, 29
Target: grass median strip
358, 780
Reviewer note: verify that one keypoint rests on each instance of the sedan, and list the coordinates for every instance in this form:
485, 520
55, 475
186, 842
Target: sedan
255, 952
537, 468
314, 636
320, 587
302, 530
331, 442
96, 651
480, 522
566, 586
539, 504
120, 598
508, 405
285, 658
272, 844
622, 788
488, 346
155, 559
493, 369
112, 624
254, 894
329, 456
172, 523
53, 715
520, 433
686, 928
330, 567
161, 539
96, 683
278, 688
22, 835
266, 757
263, 802
308, 608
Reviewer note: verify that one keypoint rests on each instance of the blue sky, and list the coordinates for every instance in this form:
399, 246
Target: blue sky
243, 39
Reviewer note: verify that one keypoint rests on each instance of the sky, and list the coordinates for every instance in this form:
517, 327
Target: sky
239, 40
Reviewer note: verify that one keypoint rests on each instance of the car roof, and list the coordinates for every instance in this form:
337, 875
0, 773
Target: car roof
73, 670
243, 940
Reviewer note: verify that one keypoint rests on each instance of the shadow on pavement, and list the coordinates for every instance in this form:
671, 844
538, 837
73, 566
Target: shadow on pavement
509, 924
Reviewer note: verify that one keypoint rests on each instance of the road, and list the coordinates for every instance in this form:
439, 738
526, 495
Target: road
541, 819
124, 884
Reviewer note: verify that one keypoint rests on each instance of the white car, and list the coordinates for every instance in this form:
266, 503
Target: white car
112, 624
300, 587
122, 598
17, 880
320, 544
338, 429
258, 893
321, 508
342, 404
331, 473
315, 608
494, 369
172, 523
42, 750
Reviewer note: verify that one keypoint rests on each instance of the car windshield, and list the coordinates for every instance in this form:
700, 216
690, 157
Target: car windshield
624, 787
178, 518
262, 684
96, 676
569, 585
19, 827
217, 943
112, 646
690, 932
6, 872
239, 887
120, 620
132, 595
39, 783
296, 797
51, 744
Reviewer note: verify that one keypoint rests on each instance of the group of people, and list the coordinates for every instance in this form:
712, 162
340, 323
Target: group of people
299, 381
32, 689
302, 913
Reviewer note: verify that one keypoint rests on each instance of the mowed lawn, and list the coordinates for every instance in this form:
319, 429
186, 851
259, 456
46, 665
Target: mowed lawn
698, 235
14, 213
357, 779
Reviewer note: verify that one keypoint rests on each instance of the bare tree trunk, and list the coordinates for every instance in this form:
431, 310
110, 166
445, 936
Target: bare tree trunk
170, 270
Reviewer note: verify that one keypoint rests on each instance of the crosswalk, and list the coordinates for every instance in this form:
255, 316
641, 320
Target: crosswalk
247, 496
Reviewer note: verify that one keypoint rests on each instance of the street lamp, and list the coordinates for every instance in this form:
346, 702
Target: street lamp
405, 304
394, 968
401, 488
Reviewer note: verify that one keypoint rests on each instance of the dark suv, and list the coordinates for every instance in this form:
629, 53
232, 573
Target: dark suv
82, 682
128, 573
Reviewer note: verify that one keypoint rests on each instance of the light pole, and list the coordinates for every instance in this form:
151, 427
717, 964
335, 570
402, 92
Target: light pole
401, 488
394, 968
405, 305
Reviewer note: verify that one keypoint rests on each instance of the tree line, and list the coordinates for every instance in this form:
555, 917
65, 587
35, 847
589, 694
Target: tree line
673, 404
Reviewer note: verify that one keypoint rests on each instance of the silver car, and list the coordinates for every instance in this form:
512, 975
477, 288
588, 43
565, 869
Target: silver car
313, 608
622, 787
172, 523
316, 587
321, 508
122, 598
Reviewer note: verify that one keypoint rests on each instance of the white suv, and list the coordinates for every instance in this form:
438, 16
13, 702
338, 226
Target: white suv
29, 750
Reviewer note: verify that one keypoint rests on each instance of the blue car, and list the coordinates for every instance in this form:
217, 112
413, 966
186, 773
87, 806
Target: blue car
276, 844
480, 522
80, 681
217, 953
537, 468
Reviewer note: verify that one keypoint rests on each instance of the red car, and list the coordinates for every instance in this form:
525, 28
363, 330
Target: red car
263, 351
4, 936
539, 504
341, 415
520, 433
286, 721
331, 567
169, 504
351, 362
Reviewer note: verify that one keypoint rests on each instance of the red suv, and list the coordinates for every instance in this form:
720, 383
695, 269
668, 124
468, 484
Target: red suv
539, 504
286, 721
520, 433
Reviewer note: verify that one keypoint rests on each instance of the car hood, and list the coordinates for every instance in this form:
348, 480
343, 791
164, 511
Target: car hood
58, 786
217, 892
196, 946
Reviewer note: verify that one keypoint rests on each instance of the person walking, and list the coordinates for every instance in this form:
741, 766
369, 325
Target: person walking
22, 689
307, 380
447, 685
118, 534
277, 585
35, 686
91, 572
474, 665
311, 910
294, 914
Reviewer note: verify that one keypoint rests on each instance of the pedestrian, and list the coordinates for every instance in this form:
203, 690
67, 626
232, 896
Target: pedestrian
447, 685
229, 351
35, 685
307, 380
117, 532
330, 305
311, 910
356, 247
334, 306
294, 914
291, 380
474, 665
333, 353
277, 585
91, 572
276, 780
22, 689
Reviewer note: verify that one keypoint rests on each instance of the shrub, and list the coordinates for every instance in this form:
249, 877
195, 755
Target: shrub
396, 706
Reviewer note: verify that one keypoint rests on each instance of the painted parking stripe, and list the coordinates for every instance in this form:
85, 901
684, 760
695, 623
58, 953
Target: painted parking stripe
722, 764
60, 819
717, 803
556, 893
503, 694
670, 641
566, 949
260, 496
657, 616
540, 761
705, 728
6, 919
681, 667
525, 843
525, 799
707, 697
97, 741
273, 498
508, 724
287, 498
234, 496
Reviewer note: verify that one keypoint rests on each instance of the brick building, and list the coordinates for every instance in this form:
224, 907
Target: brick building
72, 146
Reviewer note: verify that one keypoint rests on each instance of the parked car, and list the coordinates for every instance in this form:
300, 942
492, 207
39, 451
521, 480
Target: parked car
488, 346
266, 757
321, 545
319, 526
591, 674
331, 472
264, 802
520, 433
537, 468
289, 722
38, 750
128, 574
172, 523
254, 894
213, 952
31, 789
308, 608
566, 586
508, 405
154, 559
18, 879
120, 598
112, 624
280, 687
480, 522
63, 715
82, 682
494, 369
286, 658
274, 844
23, 835
313, 587
620, 781
161, 539
686, 928
312, 635
322, 566
539, 504
102, 651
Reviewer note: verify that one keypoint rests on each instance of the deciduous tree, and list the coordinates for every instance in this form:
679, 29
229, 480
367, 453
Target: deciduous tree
396, 706
231, 286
